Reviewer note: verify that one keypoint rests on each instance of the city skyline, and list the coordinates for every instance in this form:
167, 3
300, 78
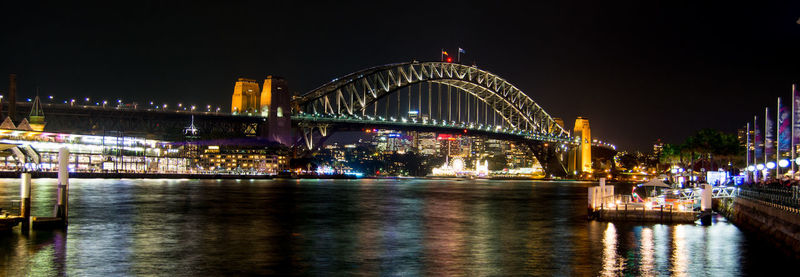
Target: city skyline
638, 71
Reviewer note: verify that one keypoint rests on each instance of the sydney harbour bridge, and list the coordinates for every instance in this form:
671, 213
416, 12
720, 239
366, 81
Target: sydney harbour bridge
414, 96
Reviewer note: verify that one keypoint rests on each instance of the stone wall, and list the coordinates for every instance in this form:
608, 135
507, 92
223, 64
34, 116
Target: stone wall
779, 226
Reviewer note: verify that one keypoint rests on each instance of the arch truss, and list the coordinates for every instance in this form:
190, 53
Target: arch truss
485, 96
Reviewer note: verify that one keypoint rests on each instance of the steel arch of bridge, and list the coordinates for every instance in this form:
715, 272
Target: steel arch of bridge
352, 94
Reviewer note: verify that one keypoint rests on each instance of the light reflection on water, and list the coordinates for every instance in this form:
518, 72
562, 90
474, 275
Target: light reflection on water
359, 227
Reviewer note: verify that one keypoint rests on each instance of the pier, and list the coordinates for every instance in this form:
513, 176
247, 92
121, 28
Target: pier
676, 206
61, 209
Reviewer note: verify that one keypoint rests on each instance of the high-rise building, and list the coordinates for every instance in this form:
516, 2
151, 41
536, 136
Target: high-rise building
427, 144
658, 147
581, 158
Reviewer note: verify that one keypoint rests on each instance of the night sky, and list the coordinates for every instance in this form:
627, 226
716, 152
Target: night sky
638, 70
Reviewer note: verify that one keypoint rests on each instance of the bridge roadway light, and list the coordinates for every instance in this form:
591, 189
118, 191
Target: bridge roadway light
783, 163
771, 165
760, 167
751, 168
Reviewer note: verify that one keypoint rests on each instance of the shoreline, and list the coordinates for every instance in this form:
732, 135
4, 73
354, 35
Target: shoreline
130, 175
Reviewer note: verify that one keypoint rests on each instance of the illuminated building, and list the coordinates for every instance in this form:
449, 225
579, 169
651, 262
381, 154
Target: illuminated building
519, 156
35, 150
477, 148
245, 97
390, 141
450, 145
241, 159
658, 147
427, 144
581, 158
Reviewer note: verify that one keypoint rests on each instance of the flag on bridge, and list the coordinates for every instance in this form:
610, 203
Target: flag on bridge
461, 50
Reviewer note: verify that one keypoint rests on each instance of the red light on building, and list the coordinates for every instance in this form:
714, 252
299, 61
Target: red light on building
465, 131
449, 59
444, 137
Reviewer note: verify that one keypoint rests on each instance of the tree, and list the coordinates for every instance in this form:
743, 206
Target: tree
628, 161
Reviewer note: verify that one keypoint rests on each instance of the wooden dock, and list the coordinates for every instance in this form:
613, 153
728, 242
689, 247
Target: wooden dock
640, 213
8, 222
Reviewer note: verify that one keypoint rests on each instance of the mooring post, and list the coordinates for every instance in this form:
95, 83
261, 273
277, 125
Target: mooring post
705, 205
25, 200
63, 185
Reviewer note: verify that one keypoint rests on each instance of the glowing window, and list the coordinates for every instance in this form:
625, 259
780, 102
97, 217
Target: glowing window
280, 112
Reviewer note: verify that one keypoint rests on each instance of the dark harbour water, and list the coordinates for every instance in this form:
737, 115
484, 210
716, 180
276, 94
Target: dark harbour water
361, 227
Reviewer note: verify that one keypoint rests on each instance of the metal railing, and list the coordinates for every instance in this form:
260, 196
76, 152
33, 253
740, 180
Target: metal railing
781, 197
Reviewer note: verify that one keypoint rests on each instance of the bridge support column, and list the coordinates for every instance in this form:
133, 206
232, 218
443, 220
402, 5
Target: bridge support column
308, 133
308, 137
549, 157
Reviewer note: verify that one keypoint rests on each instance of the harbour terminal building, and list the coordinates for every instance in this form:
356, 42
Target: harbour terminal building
29, 144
